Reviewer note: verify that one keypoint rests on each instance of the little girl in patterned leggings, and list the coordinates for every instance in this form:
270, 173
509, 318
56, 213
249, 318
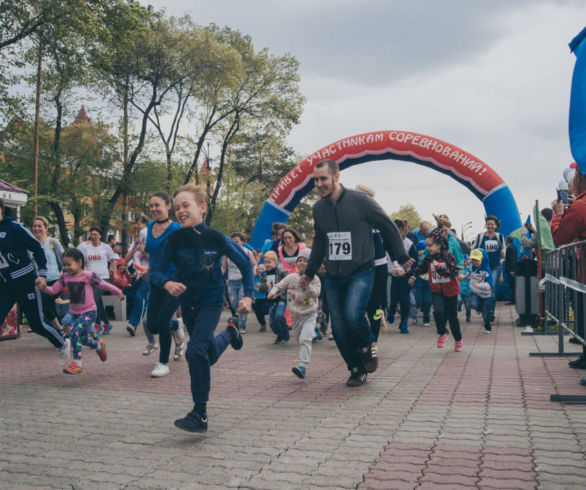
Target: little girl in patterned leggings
82, 308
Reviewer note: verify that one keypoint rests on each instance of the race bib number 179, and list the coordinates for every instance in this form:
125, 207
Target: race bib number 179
340, 245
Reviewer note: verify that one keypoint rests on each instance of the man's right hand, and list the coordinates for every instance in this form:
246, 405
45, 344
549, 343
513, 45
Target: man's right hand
175, 289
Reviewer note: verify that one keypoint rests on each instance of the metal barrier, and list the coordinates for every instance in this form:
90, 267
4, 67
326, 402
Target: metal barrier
565, 300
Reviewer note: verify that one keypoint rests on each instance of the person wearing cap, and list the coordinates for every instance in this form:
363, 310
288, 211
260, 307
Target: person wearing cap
302, 303
481, 285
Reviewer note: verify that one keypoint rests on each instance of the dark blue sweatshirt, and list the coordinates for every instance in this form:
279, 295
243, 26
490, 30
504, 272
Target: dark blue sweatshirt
15, 243
196, 253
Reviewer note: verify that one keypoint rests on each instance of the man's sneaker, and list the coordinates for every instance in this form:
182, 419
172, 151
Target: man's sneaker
458, 346
426, 325
193, 422
262, 329
64, 352
404, 327
179, 351
108, 328
131, 329
73, 368
278, 340
160, 370
102, 354
299, 371
441, 341
356, 378
242, 331
487, 330
579, 363
235, 334
369, 356
583, 381
331, 337
150, 348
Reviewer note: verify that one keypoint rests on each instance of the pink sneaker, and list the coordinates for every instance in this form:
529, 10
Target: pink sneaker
458, 346
441, 341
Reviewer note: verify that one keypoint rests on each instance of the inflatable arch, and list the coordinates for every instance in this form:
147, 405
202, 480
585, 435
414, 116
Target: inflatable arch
444, 157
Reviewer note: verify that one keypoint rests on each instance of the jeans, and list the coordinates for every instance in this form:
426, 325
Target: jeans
445, 309
347, 300
423, 299
467, 301
400, 295
277, 320
236, 292
141, 293
203, 348
496, 277
482, 305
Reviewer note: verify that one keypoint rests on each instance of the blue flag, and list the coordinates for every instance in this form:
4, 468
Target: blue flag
577, 126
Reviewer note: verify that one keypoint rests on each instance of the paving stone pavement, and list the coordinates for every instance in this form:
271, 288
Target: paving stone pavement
428, 417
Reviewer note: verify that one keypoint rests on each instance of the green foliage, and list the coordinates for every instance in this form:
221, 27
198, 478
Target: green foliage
168, 89
409, 213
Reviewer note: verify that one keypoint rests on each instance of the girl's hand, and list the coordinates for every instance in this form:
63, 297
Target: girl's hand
244, 305
435, 263
41, 283
174, 288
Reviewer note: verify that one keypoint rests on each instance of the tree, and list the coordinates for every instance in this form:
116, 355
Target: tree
409, 213
266, 95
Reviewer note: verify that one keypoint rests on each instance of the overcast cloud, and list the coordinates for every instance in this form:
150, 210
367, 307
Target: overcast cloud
490, 77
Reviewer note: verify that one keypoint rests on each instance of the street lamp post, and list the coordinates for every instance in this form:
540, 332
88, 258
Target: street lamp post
466, 227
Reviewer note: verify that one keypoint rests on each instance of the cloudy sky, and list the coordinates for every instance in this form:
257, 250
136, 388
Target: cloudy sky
490, 77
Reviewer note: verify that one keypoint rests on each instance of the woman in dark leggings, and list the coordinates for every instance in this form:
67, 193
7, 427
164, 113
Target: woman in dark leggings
162, 305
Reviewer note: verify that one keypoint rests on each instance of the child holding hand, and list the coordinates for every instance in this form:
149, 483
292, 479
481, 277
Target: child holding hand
302, 304
82, 307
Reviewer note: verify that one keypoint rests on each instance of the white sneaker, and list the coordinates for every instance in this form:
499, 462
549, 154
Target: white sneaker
179, 351
426, 324
160, 370
150, 348
64, 352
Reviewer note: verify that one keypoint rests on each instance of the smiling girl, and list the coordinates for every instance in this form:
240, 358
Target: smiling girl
196, 250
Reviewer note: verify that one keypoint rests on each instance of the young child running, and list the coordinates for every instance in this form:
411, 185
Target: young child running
82, 307
302, 304
196, 251
481, 284
465, 287
277, 304
441, 266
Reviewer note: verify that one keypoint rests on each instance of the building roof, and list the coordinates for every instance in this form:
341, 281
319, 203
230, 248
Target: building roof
82, 117
5, 186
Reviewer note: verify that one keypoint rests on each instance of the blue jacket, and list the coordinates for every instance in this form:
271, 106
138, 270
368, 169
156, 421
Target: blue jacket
481, 274
15, 243
196, 253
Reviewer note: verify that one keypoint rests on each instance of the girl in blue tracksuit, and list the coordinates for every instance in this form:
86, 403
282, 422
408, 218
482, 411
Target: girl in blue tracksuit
196, 252
19, 282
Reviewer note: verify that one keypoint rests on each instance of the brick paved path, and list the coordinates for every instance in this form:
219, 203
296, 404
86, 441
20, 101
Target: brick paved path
428, 418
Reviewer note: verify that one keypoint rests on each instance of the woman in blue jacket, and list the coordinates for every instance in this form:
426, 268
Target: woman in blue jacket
20, 284
196, 251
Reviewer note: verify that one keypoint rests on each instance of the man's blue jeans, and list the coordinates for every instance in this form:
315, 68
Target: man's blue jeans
347, 300
141, 294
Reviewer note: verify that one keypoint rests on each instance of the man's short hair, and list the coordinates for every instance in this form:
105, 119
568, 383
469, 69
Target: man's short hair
547, 213
329, 164
400, 224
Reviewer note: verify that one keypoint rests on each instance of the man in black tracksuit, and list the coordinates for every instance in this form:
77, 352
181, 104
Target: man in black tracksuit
343, 221
19, 282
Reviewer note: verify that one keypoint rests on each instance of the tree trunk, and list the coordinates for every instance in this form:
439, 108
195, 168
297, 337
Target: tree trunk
58, 212
36, 131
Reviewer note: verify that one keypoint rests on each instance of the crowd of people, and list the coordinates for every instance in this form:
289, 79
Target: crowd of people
360, 271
